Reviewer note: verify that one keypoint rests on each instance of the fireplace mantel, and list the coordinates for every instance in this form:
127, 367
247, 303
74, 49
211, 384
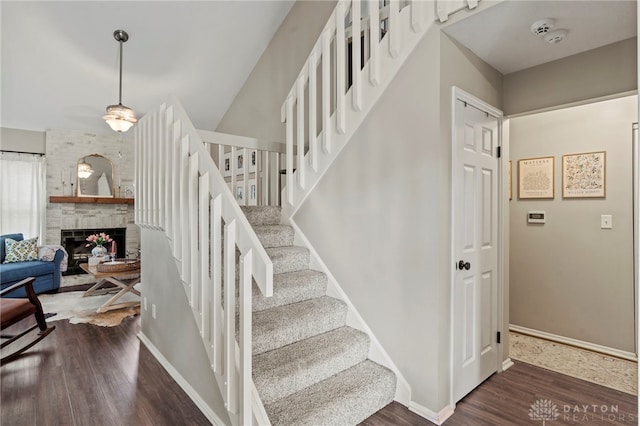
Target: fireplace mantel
90, 200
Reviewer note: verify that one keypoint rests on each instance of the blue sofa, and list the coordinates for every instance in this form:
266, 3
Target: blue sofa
47, 274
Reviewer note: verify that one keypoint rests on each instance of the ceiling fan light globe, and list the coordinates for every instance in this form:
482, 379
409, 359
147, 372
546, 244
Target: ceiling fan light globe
84, 170
120, 118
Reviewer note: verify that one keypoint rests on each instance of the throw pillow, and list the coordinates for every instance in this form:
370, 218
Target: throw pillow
21, 251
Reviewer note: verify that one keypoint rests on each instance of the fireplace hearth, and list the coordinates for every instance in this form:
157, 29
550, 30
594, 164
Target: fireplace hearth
75, 240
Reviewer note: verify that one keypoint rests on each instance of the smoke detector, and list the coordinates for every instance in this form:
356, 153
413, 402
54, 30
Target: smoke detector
542, 26
556, 36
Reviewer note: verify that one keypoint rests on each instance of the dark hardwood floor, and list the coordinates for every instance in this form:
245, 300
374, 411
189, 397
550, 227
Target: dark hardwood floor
506, 399
83, 374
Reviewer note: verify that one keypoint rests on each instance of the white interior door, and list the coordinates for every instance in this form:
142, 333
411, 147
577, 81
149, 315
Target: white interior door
475, 242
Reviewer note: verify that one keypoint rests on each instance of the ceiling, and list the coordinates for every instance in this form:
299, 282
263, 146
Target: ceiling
60, 60
501, 37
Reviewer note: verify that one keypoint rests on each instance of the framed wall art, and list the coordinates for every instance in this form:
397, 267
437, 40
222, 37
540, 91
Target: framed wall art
252, 199
240, 196
536, 178
226, 165
584, 175
240, 160
253, 161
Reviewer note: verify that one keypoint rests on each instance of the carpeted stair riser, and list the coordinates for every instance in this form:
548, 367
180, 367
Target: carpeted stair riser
347, 398
284, 371
288, 259
288, 288
262, 215
309, 368
291, 287
277, 327
274, 235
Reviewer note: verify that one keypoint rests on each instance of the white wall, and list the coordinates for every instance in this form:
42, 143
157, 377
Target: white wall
255, 111
174, 332
569, 277
22, 140
380, 217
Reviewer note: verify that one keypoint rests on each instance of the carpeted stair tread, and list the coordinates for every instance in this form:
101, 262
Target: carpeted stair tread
288, 259
345, 399
277, 327
274, 235
291, 287
262, 215
284, 371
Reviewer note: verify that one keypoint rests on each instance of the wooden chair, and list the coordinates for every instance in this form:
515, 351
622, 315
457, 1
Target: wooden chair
14, 310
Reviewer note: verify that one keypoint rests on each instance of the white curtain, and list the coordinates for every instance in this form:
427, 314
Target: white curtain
23, 195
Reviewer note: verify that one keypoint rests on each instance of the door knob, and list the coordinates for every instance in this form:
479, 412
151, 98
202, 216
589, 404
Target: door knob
464, 265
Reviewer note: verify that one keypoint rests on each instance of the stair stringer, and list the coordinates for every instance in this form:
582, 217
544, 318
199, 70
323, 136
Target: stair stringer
377, 352
389, 67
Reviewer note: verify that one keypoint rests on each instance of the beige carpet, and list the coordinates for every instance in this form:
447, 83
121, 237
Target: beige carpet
593, 367
79, 310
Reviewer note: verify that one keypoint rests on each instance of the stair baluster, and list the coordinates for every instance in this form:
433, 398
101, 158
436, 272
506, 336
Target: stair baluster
356, 86
374, 41
182, 193
380, 41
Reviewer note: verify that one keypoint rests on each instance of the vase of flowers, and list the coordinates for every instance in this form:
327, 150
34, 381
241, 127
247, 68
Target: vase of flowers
99, 240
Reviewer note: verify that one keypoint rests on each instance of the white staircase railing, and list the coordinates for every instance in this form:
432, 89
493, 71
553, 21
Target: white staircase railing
181, 192
320, 126
251, 167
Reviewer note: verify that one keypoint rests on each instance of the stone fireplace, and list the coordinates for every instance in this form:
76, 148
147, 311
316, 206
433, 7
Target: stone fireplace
63, 150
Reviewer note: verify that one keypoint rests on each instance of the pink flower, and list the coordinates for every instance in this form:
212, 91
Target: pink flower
98, 239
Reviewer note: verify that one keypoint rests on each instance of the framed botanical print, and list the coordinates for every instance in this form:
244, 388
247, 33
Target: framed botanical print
584, 175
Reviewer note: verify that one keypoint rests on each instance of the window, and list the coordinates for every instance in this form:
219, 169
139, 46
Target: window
23, 194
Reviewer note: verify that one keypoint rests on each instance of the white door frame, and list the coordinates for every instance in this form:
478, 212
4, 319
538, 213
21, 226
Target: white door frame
459, 94
636, 227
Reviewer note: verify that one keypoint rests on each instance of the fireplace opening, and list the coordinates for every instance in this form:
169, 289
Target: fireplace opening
74, 242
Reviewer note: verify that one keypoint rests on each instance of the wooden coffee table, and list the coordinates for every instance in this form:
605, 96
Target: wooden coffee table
124, 281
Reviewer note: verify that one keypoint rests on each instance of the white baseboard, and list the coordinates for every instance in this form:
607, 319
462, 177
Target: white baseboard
630, 356
437, 418
182, 382
506, 364
376, 351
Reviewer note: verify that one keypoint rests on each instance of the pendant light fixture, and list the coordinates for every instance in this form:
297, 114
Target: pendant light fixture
119, 117
84, 169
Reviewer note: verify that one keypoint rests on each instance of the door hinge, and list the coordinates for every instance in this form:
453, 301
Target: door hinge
498, 337
499, 151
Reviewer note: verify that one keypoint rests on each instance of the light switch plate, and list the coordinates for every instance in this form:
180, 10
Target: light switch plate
606, 221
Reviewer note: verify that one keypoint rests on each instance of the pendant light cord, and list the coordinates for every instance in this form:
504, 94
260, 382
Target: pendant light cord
120, 92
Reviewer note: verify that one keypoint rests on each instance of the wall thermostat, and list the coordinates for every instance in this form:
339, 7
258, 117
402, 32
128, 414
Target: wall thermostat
536, 217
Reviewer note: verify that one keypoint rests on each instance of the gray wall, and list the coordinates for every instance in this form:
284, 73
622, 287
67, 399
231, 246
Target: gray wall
255, 111
22, 140
174, 332
588, 75
569, 277
380, 216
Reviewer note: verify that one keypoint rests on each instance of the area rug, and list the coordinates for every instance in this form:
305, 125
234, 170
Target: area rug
593, 367
82, 310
